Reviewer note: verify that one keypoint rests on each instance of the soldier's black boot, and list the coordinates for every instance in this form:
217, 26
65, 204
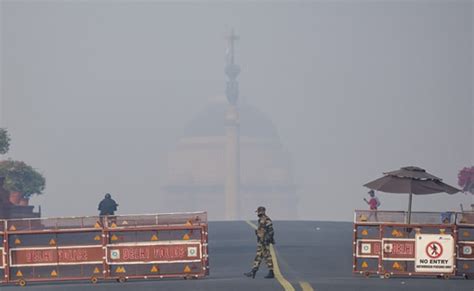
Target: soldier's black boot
270, 275
251, 273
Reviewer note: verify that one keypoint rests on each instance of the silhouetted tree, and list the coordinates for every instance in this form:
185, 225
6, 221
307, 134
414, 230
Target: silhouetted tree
466, 179
20, 177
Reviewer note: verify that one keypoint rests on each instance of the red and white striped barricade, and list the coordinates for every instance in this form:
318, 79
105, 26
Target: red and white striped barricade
465, 244
104, 248
157, 246
3, 254
385, 245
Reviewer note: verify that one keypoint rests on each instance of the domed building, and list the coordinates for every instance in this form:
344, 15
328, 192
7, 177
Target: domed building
230, 160
197, 167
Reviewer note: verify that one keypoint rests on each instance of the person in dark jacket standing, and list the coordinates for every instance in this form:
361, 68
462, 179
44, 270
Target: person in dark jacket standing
265, 238
107, 206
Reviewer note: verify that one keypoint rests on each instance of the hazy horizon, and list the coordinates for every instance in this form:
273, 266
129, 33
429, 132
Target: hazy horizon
95, 94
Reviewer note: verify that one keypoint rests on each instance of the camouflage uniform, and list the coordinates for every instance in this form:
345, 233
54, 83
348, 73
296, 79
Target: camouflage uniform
264, 234
264, 239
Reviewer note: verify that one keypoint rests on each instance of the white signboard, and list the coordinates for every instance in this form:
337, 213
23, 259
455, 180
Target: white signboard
115, 254
366, 248
434, 253
192, 251
467, 250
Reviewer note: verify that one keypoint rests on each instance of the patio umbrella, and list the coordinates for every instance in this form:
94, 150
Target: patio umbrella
411, 180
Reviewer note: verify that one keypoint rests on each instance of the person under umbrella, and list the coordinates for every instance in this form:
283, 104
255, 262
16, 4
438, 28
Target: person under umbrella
373, 203
411, 180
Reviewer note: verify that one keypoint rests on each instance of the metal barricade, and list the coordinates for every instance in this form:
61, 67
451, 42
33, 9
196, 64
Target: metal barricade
383, 244
162, 245
104, 248
3, 252
465, 244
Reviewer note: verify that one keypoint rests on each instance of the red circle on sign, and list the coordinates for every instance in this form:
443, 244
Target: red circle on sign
434, 250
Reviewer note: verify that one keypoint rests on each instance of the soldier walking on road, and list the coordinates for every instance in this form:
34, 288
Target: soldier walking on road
264, 234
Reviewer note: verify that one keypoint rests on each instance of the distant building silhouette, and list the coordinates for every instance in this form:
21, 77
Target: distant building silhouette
196, 168
230, 160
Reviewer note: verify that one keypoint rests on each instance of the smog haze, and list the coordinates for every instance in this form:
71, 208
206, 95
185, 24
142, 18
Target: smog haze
97, 94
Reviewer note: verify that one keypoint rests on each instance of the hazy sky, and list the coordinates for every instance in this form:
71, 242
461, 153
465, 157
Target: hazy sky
96, 93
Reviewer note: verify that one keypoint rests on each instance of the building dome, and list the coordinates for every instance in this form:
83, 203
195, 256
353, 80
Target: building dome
209, 122
196, 167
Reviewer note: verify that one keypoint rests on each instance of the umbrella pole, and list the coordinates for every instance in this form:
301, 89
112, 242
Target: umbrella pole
409, 207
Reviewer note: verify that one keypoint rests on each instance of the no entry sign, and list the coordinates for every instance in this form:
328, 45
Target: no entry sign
434, 253
434, 250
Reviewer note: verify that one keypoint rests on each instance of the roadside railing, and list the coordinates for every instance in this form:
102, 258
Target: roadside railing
381, 217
